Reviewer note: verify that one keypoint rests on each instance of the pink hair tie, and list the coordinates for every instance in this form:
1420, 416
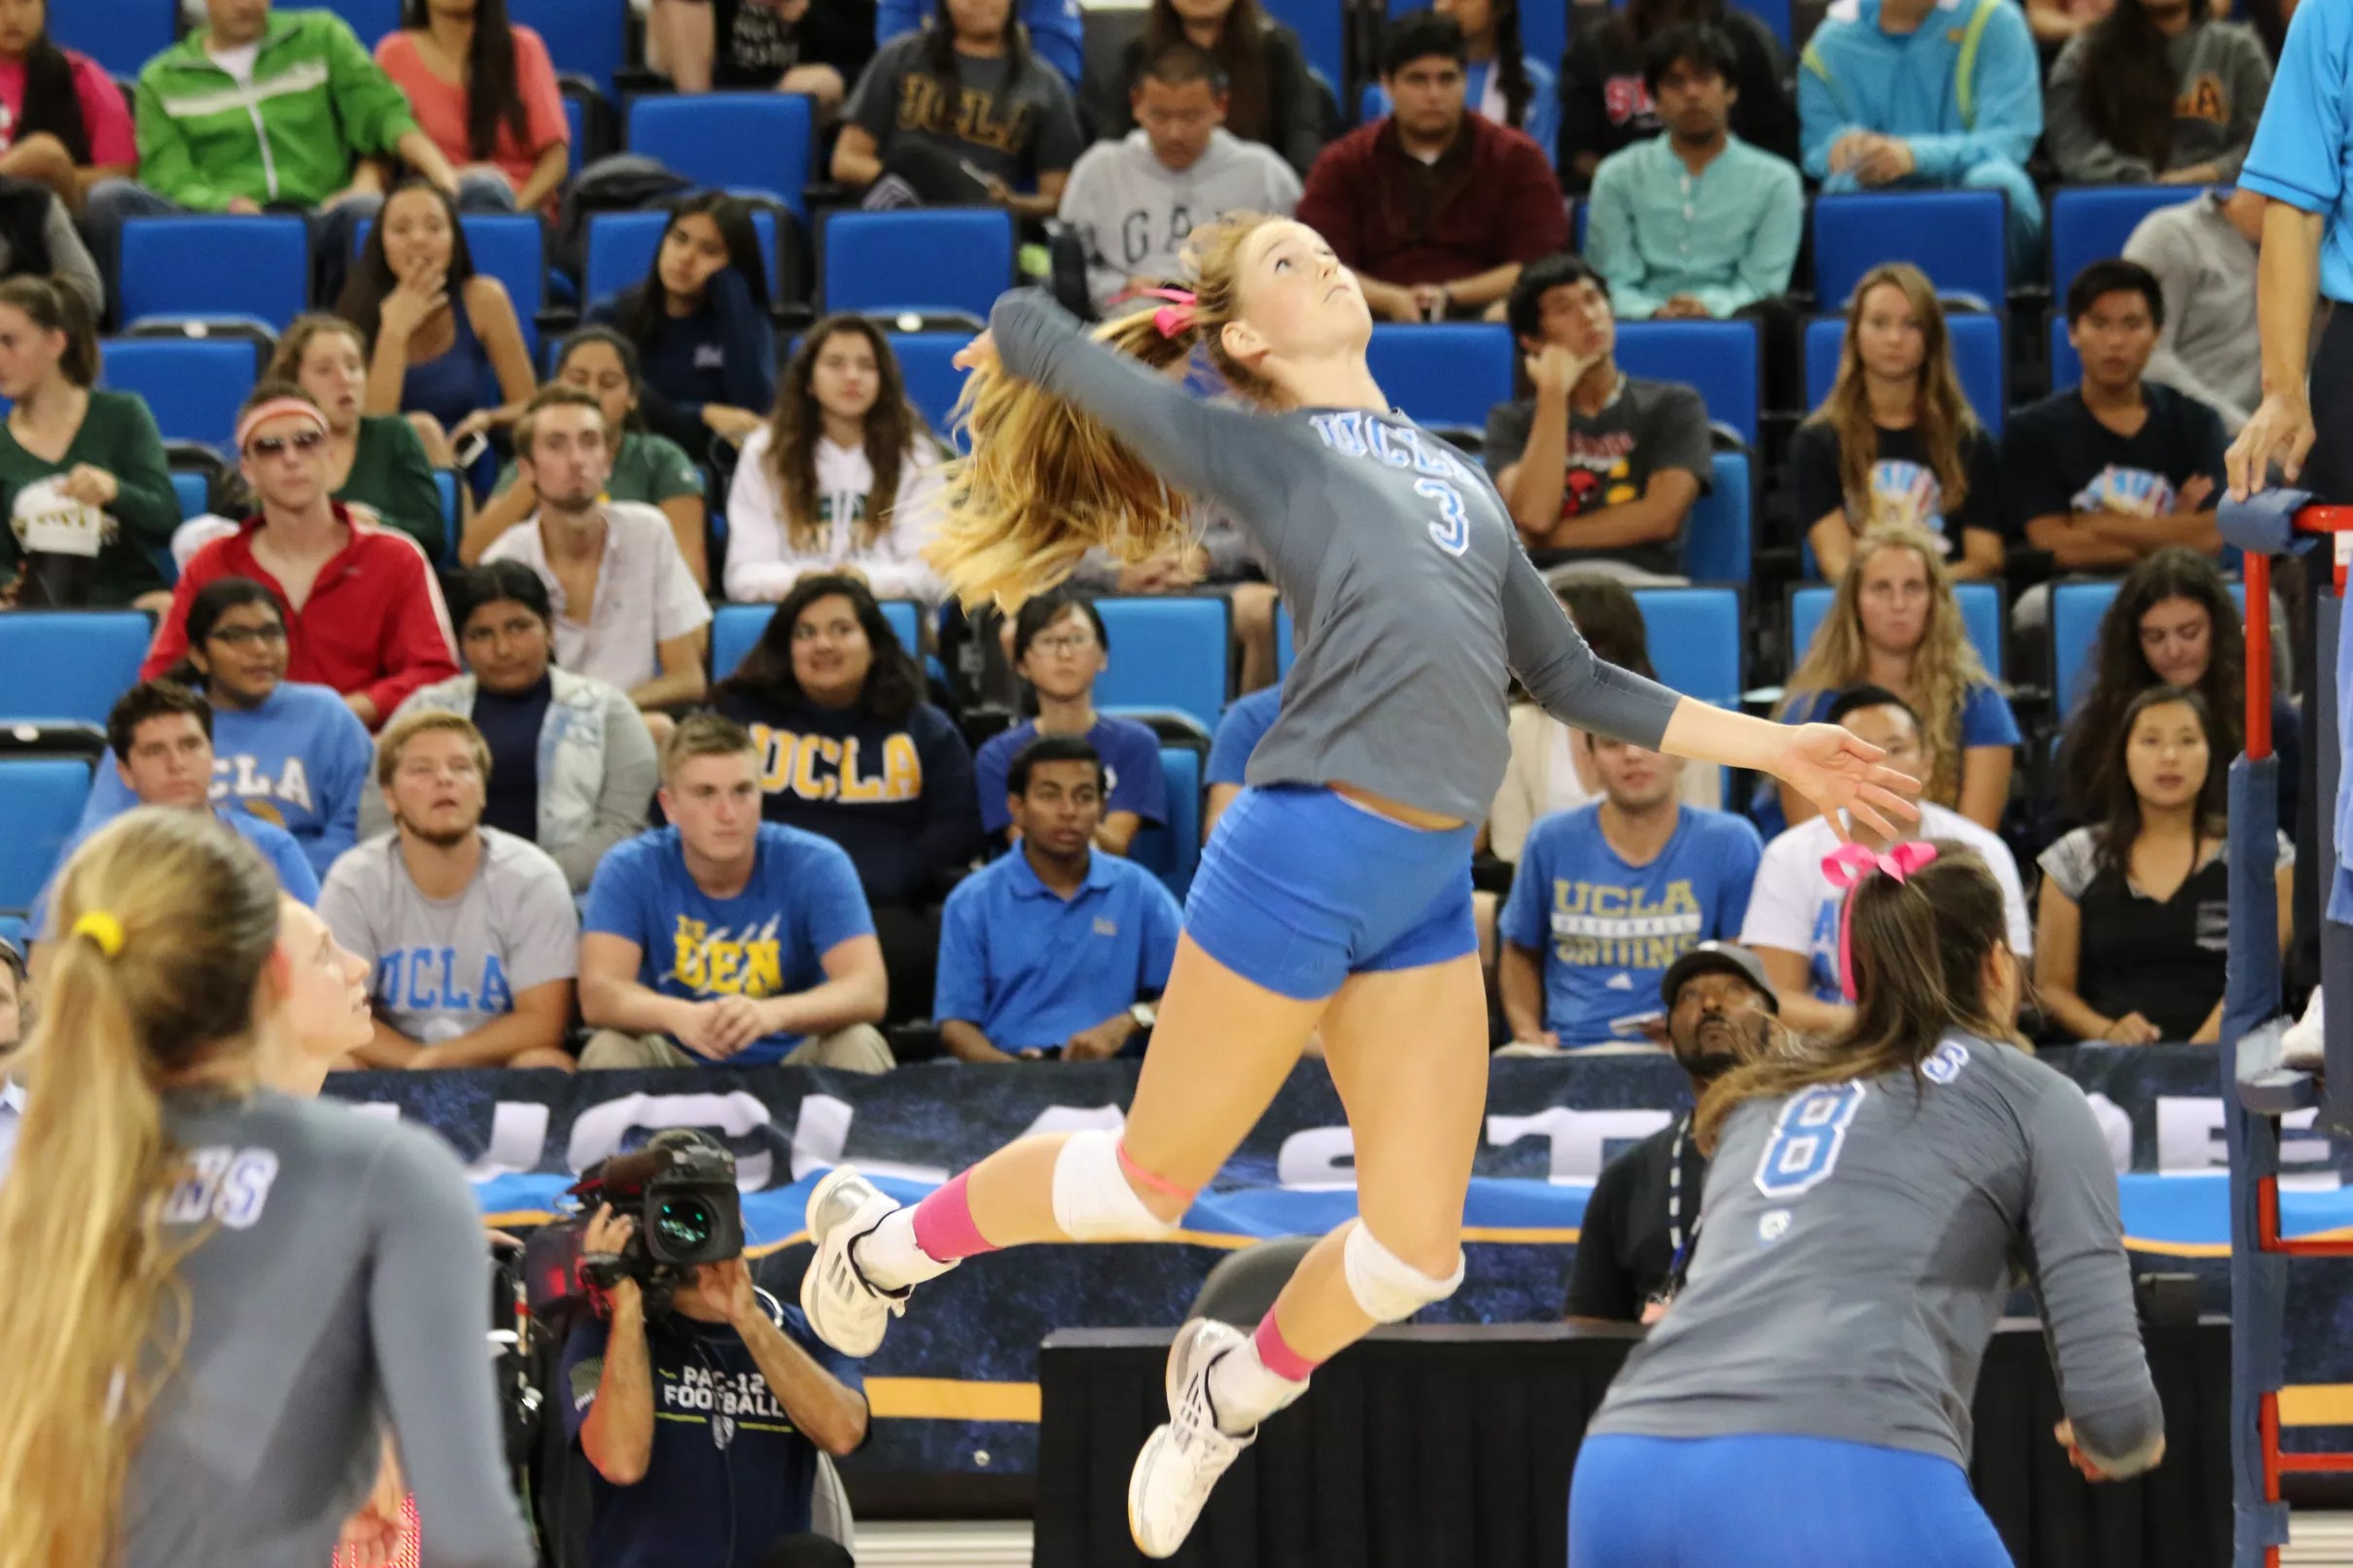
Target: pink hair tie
1848, 866
1173, 317
278, 408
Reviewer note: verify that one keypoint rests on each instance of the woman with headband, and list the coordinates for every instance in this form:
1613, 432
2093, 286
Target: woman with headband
199, 1345
1804, 1402
362, 611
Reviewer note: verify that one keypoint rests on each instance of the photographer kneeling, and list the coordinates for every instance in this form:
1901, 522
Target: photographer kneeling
700, 1404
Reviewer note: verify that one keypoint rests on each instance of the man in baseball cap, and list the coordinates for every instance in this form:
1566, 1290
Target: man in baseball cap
1645, 1206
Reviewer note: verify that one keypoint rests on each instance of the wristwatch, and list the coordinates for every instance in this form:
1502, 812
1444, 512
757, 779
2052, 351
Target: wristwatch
1144, 1014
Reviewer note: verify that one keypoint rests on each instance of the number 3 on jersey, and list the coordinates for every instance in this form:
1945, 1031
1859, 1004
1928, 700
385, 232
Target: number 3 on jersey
1805, 1142
1451, 529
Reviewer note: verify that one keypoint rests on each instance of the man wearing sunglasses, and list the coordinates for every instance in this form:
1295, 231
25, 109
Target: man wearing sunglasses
362, 613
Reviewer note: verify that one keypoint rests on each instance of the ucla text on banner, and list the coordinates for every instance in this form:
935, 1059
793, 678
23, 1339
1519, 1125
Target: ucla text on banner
957, 1376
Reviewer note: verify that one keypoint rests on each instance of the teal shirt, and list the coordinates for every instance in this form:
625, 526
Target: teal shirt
1727, 236
1855, 76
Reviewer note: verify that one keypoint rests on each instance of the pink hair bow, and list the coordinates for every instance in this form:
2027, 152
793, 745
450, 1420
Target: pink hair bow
1846, 867
1175, 316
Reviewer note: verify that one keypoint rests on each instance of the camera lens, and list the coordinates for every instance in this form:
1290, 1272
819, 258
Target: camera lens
685, 1223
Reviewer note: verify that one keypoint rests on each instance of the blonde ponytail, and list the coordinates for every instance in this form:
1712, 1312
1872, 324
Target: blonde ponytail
1048, 482
92, 1318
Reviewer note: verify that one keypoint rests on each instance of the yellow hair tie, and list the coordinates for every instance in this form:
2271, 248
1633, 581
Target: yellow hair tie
102, 928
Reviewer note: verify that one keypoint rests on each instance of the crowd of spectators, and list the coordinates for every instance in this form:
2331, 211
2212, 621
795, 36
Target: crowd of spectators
307, 611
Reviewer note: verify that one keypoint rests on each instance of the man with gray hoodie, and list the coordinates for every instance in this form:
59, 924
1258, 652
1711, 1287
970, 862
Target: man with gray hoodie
1136, 200
2204, 254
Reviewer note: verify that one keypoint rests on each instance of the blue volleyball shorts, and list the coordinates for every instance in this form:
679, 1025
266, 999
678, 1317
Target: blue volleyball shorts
1301, 887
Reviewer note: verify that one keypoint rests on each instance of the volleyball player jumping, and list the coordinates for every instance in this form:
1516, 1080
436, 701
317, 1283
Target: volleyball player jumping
1336, 895
214, 1290
1804, 1402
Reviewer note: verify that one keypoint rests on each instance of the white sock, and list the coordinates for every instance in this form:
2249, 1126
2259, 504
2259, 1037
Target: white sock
889, 1257
1246, 1392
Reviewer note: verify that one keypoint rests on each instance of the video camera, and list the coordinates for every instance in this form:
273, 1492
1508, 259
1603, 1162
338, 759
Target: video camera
678, 1187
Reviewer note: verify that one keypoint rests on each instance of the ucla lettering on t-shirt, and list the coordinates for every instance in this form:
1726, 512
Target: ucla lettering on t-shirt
819, 767
426, 980
243, 777
1598, 925
1353, 432
722, 964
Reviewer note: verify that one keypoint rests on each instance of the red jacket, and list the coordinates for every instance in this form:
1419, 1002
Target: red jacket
374, 624
1499, 203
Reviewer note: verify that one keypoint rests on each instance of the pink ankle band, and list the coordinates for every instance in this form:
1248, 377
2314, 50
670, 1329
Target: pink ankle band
1278, 1357
944, 1228
1146, 1180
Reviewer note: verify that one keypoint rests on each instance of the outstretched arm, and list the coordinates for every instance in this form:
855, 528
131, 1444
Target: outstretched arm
1236, 459
1823, 763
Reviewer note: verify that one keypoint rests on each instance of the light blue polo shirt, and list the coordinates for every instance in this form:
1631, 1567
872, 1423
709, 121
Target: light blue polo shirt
2303, 146
1029, 968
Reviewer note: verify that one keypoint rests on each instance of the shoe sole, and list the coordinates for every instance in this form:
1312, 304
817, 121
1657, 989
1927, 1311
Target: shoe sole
815, 1272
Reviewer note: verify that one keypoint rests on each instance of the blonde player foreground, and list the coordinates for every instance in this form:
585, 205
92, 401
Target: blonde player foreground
215, 1288
1336, 895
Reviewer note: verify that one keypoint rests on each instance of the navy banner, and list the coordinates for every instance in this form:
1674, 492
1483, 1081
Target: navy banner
955, 1386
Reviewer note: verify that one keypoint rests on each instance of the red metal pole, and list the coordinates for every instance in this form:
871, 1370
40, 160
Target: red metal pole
2257, 569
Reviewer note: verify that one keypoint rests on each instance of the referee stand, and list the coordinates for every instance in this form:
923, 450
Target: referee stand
2258, 1087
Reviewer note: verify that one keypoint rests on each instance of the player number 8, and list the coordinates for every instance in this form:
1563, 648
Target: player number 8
1805, 1140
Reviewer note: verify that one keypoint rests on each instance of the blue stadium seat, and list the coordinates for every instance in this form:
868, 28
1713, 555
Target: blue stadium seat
576, 120
45, 797
2067, 366
936, 259
1696, 638
1284, 634
194, 495
69, 664
1976, 355
509, 246
1719, 540
12, 932
372, 19
1170, 653
192, 385
1958, 237
1445, 374
2075, 611
122, 35
734, 628
1171, 850
932, 382
1323, 29
622, 246
589, 37
215, 266
1718, 358
736, 141
1981, 611
2091, 223
445, 481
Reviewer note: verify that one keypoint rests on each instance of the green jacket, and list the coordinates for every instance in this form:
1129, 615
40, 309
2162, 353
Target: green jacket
319, 102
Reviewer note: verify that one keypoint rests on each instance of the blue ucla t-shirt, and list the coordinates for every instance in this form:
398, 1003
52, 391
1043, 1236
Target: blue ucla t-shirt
1238, 735
277, 847
770, 940
1609, 930
727, 1462
1131, 759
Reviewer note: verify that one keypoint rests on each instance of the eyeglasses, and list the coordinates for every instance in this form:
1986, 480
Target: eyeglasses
264, 447
242, 637
1063, 643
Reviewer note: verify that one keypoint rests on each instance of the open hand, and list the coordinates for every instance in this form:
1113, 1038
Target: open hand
1839, 772
726, 1288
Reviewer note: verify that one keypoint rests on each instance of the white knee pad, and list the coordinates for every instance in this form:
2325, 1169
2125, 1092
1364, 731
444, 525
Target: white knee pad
1093, 1200
1390, 1289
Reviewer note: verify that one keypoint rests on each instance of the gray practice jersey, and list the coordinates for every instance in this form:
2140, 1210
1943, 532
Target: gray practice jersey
1413, 599
446, 967
1855, 1248
340, 1275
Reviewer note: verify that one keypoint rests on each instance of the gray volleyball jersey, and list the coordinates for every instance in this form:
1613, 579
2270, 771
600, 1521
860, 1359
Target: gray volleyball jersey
340, 1276
1412, 597
1856, 1245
